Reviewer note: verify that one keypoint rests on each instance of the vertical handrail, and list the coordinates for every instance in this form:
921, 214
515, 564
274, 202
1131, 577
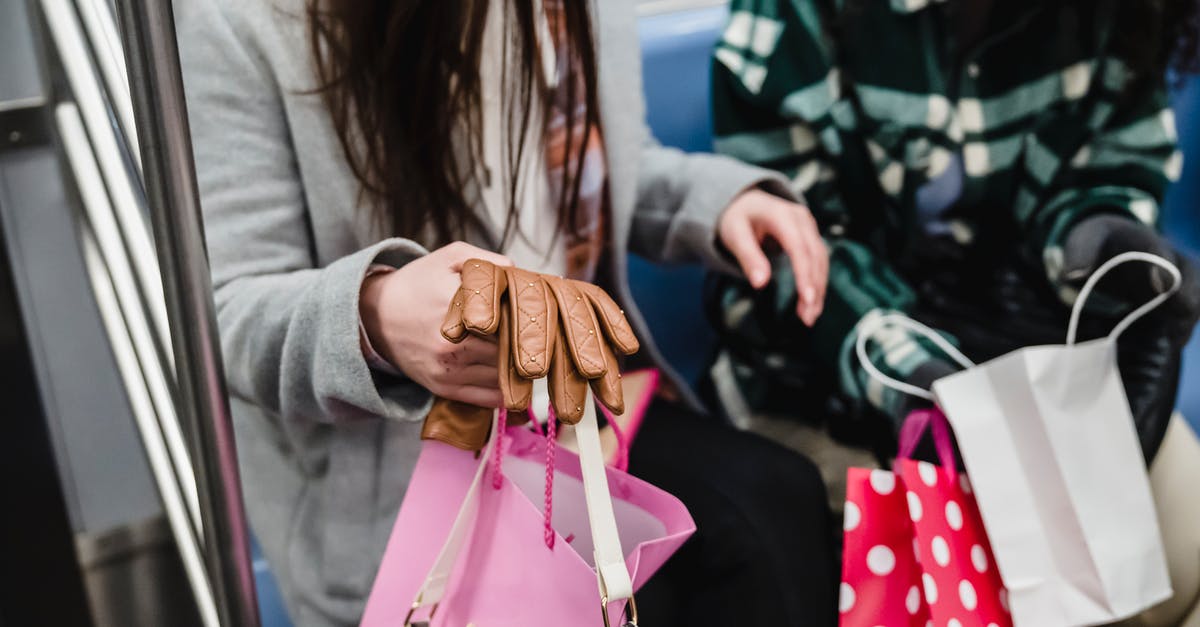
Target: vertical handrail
130, 252
121, 338
100, 23
152, 60
69, 39
127, 335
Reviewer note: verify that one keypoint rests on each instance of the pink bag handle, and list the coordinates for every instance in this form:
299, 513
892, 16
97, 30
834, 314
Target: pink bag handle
621, 458
915, 426
637, 413
551, 436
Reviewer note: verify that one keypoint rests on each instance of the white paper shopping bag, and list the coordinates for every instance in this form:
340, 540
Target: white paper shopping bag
1048, 439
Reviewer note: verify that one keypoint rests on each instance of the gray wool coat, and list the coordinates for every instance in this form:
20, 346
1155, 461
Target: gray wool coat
326, 445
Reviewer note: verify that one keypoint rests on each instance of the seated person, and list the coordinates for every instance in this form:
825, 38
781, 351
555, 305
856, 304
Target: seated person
970, 164
351, 156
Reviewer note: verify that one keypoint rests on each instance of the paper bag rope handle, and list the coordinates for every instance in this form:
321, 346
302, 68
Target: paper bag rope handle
1081, 300
874, 322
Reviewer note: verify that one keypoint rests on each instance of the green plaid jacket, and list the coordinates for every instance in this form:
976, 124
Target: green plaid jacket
1049, 125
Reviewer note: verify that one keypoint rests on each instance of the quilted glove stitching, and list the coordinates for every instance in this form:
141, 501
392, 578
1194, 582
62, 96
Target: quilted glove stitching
528, 319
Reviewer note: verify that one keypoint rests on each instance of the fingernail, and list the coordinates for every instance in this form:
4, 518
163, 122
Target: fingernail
810, 295
758, 278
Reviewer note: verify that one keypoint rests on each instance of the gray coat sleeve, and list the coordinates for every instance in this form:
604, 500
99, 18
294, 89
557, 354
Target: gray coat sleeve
680, 196
289, 330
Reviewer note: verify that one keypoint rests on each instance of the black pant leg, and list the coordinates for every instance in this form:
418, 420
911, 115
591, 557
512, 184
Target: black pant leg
763, 553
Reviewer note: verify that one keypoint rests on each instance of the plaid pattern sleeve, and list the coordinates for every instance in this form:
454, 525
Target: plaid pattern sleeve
1125, 168
751, 120
1048, 125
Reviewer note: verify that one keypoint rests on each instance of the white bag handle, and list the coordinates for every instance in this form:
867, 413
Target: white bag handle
875, 321
611, 572
1104, 268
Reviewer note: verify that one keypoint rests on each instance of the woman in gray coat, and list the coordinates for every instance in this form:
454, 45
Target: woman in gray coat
351, 154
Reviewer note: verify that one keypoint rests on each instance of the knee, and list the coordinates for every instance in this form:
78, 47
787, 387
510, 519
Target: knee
785, 477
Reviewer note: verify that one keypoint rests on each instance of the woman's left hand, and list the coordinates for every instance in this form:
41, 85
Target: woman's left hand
752, 218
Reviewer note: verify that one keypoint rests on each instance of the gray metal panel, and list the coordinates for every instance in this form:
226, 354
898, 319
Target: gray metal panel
19, 78
100, 451
108, 481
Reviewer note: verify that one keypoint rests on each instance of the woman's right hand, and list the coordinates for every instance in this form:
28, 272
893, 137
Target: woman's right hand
402, 313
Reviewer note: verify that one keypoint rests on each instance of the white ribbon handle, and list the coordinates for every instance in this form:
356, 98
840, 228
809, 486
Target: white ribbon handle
611, 572
1133, 316
870, 324
434, 587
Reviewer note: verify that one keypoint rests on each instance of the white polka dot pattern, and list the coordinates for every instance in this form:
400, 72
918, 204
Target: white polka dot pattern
940, 550
883, 481
928, 473
931, 591
979, 559
954, 516
851, 517
881, 561
879, 569
959, 585
966, 594
892, 520
914, 507
846, 598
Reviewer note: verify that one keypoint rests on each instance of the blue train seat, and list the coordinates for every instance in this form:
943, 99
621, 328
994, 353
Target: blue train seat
675, 50
271, 610
1181, 220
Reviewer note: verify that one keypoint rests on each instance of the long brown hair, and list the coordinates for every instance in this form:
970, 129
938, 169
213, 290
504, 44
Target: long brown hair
401, 80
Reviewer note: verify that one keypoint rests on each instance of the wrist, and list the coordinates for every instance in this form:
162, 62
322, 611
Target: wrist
371, 317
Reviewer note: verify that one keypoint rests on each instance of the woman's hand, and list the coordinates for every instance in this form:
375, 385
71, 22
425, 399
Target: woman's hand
402, 313
752, 218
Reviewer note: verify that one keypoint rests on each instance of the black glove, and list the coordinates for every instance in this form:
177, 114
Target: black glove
922, 377
1099, 238
1019, 309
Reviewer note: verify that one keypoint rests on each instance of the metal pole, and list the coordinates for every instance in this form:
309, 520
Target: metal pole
152, 57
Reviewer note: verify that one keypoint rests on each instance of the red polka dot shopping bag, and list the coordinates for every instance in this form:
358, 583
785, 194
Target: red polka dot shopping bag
916, 552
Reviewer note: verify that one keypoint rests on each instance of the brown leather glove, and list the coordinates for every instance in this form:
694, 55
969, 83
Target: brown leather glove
524, 310
592, 326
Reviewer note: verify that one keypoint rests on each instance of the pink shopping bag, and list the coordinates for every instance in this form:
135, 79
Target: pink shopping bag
916, 549
508, 572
